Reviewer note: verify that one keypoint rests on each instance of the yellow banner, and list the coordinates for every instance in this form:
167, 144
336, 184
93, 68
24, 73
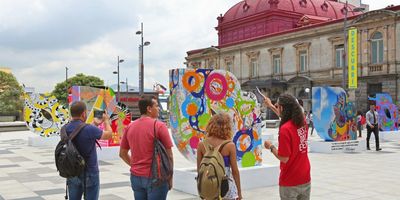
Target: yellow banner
352, 58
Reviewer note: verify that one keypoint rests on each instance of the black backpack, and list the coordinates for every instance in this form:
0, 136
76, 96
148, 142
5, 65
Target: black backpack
161, 167
69, 161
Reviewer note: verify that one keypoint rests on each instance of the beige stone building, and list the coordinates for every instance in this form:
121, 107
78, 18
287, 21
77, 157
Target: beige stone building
305, 49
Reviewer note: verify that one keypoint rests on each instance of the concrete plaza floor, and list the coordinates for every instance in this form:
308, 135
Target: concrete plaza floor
28, 172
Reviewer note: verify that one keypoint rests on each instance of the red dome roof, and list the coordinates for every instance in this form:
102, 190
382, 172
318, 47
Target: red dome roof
322, 8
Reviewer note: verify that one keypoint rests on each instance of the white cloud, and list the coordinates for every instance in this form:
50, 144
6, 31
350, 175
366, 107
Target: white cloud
39, 38
374, 4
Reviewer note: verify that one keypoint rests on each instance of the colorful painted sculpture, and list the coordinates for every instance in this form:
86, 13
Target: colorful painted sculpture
95, 98
44, 115
195, 95
103, 98
333, 115
387, 111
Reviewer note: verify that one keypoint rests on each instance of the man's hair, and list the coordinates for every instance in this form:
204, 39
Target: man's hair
144, 102
77, 108
291, 110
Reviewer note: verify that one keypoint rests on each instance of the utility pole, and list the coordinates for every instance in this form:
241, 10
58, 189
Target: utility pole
141, 61
118, 77
345, 46
127, 87
66, 83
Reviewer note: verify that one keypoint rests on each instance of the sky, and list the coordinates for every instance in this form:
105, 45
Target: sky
39, 38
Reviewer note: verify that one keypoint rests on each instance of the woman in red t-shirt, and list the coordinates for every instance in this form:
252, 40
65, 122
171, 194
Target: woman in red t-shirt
294, 179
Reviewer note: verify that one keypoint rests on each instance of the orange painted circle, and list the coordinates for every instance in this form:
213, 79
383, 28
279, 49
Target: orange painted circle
244, 141
255, 135
185, 80
231, 83
192, 109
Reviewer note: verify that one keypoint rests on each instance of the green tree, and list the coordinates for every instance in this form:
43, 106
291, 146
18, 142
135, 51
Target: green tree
10, 94
60, 91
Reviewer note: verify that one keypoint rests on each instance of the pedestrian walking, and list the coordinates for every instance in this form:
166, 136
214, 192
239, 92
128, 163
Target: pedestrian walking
372, 127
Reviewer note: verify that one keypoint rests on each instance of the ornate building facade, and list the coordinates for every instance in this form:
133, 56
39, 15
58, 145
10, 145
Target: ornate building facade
290, 46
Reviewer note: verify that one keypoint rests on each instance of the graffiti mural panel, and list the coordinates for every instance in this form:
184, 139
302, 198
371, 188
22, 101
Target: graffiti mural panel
44, 115
387, 111
103, 98
333, 115
195, 95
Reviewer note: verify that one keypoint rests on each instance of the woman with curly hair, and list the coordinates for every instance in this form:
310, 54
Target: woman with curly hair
219, 135
294, 179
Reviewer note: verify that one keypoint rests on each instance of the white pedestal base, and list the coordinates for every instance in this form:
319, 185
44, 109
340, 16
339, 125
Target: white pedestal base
108, 153
250, 178
388, 135
38, 141
338, 147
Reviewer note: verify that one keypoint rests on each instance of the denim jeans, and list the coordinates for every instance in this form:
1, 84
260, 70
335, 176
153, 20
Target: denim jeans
76, 186
143, 190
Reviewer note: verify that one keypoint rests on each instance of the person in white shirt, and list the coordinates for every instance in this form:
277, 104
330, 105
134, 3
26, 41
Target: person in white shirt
372, 126
311, 125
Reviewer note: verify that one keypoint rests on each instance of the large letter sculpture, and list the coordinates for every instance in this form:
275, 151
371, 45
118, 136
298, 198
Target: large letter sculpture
195, 95
387, 112
333, 115
103, 98
44, 115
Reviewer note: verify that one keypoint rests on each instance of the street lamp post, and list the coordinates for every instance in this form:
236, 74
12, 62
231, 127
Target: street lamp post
66, 82
126, 84
345, 46
117, 72
141, 62
66, 74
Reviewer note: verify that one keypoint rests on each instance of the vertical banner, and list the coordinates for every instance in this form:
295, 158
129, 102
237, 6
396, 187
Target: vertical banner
352, 58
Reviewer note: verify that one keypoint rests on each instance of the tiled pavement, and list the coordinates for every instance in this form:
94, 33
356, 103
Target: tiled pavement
29, 173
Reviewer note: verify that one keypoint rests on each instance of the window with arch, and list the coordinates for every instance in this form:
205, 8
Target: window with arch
377, 48
303, 58
229, 66
302, 51
339, 52
229, 63
254, 67
276, 60
254, 60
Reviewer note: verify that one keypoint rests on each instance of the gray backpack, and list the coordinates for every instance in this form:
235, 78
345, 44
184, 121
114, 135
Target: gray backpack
161, 167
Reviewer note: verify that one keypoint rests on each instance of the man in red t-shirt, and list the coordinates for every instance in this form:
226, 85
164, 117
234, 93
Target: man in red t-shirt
295, 179
138, 138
